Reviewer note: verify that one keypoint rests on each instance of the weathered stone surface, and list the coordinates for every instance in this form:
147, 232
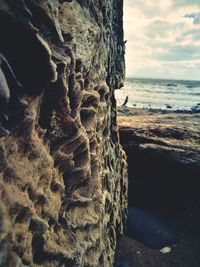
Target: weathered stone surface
63, 177
172, 135
164, 157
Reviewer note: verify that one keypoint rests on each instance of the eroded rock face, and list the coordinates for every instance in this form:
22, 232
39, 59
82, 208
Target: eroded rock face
164, 158
63, 177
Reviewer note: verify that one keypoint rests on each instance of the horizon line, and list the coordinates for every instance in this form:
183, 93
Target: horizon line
160, 78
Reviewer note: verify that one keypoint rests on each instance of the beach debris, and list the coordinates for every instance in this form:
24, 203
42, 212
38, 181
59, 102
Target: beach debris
125, 101
165, 250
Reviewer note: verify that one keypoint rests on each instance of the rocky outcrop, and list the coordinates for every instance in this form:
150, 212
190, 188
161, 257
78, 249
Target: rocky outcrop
163, 152
164, 157
63, 177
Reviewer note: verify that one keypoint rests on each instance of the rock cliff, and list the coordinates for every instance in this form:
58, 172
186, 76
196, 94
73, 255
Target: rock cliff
63, 176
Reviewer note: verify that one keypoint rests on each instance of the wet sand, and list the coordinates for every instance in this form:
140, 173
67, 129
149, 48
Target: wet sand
183, 254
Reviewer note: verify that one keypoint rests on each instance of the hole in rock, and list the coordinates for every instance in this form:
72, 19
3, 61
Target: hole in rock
22, 215
37, 249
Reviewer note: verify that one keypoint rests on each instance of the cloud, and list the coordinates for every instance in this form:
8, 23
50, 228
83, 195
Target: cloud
180, 3
161, 35
149, 7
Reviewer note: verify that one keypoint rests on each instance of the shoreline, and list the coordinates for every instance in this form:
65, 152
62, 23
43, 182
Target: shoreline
131, 111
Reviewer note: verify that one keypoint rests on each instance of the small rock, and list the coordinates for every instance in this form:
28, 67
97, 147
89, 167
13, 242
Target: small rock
171, 84
195, 108
168, 106
165, 250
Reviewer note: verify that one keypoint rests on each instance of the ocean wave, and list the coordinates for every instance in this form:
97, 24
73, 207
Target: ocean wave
165, 94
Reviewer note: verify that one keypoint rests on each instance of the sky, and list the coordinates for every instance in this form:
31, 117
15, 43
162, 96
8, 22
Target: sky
163, 38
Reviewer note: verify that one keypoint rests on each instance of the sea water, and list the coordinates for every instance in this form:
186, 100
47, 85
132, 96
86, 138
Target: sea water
160, 94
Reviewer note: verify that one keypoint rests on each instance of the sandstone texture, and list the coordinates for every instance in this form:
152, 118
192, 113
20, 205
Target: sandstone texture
63, 175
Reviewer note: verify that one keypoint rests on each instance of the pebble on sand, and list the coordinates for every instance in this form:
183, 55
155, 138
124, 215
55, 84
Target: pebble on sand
165, 250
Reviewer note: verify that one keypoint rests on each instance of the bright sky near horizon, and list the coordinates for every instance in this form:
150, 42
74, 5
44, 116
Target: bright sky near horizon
163, 38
